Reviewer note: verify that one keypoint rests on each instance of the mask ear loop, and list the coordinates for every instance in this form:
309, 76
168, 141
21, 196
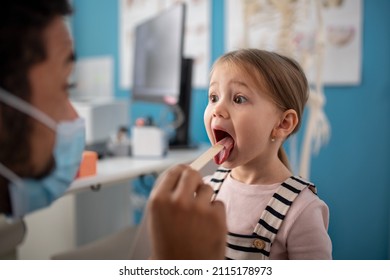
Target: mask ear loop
16, 200
26, 108
11, 176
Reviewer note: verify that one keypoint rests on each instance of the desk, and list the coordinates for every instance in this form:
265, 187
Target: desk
82, 215
115, 170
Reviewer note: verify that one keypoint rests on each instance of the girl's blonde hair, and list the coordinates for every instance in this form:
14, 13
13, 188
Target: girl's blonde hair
278, 76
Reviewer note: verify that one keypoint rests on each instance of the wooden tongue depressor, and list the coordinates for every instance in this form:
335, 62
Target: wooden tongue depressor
201, 161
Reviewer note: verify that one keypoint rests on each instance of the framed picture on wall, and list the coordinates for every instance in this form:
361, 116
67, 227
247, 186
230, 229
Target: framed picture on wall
264, 24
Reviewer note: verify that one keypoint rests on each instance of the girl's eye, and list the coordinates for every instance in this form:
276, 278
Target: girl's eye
239, 99
213, 98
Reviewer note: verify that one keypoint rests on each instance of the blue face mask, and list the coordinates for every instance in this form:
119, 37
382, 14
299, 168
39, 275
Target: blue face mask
27, 194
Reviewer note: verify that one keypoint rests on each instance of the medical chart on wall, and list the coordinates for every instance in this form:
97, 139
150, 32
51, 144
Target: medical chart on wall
269, 24
196, 40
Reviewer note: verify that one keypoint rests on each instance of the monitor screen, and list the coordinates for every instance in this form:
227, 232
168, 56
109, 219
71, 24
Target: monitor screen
158, 57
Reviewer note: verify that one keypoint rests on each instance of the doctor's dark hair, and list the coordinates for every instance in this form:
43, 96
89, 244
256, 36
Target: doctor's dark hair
278, 76
22, 24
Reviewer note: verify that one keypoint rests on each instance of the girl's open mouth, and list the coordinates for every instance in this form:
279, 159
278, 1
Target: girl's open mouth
223, 138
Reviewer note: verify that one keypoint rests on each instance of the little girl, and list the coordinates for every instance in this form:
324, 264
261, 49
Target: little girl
256, 100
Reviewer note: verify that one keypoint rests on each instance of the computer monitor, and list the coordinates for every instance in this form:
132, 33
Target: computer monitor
161, 73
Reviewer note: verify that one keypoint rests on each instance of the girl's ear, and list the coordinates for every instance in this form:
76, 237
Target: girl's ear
286, 125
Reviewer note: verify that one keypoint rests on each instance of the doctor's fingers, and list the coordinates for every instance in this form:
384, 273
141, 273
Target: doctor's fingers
204, 198
179, 182
187, 186
204, 193
167, 181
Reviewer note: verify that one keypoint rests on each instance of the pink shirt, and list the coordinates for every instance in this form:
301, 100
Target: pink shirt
303, 233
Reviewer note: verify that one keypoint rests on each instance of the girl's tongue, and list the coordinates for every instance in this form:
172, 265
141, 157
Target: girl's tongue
223, 155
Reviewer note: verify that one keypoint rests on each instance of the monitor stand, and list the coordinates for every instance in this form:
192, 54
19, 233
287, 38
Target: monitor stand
175, 146
182, 139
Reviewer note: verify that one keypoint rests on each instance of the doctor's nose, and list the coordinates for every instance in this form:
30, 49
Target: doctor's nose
72, 113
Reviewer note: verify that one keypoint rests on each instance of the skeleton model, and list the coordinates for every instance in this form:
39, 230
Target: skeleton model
294, 28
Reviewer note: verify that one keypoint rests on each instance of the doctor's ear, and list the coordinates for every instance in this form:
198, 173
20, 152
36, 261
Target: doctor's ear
288, 122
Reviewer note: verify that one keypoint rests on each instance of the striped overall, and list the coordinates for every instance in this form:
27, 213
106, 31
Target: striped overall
258, 245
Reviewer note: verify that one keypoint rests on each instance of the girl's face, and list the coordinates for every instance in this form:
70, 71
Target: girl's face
238, 109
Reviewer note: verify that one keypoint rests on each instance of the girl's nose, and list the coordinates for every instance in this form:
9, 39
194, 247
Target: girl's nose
220, 110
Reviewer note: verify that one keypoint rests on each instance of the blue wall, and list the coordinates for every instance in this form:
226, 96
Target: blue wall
354, 168
351, 171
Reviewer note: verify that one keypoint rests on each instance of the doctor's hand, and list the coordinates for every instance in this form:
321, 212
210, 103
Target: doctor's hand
183, 223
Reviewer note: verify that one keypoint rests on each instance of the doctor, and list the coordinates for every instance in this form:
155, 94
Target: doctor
42, 137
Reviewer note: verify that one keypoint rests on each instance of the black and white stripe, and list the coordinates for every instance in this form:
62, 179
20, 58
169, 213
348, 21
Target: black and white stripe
242, 246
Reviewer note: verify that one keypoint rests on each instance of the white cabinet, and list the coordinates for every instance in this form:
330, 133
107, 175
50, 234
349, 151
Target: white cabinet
74, 220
